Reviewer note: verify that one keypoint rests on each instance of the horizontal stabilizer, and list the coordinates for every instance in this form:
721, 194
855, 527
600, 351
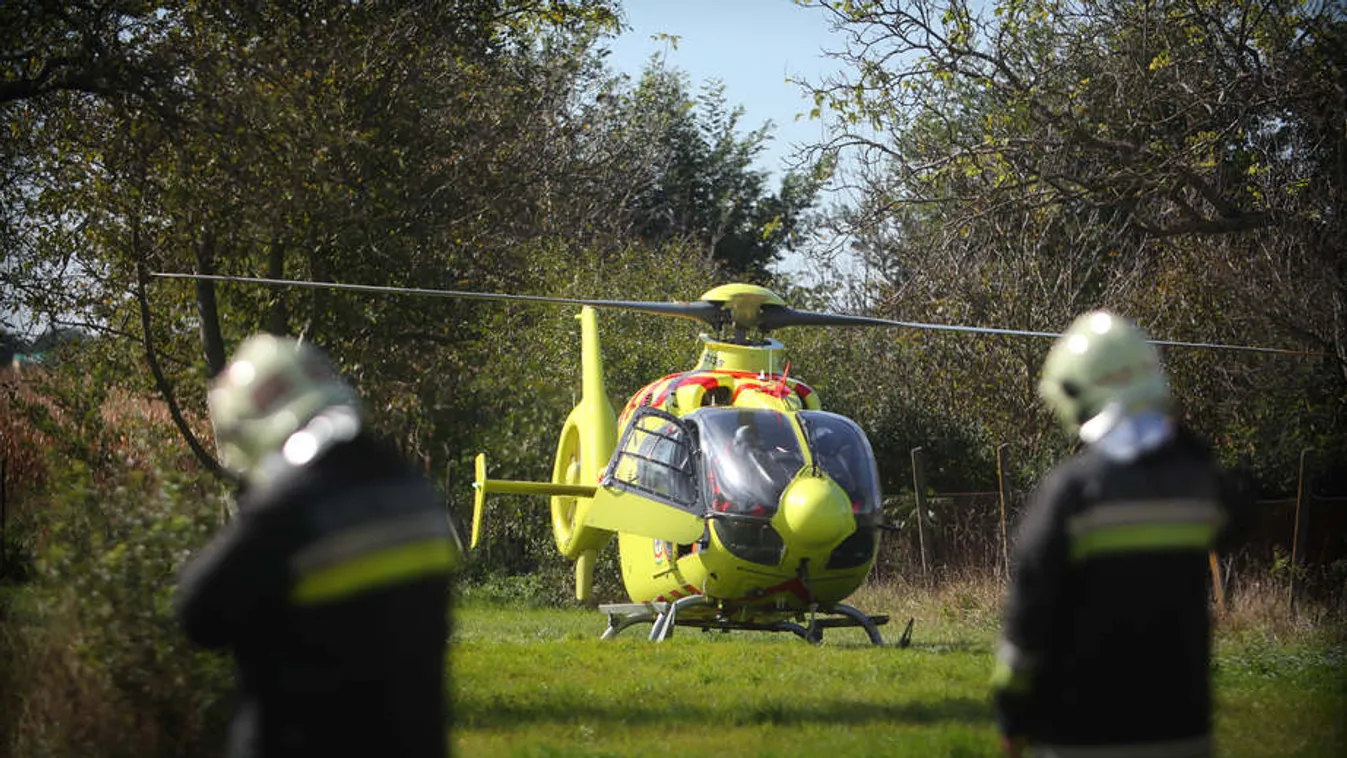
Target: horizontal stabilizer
483, 487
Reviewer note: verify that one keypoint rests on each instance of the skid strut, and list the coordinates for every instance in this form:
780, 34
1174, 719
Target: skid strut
664, 617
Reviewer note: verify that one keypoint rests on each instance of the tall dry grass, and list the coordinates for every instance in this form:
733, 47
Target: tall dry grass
22, 445
1263, 606
1258, 605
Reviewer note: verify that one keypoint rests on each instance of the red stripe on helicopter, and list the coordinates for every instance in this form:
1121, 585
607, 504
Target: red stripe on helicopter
708, 381
686, 590
654, 393
793, 586
657, 392
772, 390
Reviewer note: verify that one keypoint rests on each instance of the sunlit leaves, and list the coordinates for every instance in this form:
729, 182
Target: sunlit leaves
1029, 159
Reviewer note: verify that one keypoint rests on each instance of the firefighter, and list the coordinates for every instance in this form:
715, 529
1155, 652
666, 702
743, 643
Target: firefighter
1105, 648
331, 585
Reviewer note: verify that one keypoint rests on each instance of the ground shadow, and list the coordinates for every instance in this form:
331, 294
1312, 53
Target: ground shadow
959, 710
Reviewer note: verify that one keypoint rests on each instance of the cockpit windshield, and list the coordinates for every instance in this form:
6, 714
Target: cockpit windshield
751, 455
842, 450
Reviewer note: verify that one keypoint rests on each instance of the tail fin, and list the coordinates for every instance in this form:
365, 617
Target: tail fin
587, 442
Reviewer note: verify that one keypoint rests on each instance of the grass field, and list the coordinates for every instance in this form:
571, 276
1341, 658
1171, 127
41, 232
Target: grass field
540, 683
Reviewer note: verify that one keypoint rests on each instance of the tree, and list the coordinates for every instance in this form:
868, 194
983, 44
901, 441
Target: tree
1026, 161
108, 49
354, 141
395, 144
692, 176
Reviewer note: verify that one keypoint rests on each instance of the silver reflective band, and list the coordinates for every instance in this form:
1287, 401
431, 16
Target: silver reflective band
1119, 528
1127, 513
1193, 747
1010, 654
358, 540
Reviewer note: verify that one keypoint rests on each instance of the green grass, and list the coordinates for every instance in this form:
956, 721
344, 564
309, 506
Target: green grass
540, 683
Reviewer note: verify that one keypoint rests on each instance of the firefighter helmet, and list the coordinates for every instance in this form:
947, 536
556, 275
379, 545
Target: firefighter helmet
1103, 362
271, 388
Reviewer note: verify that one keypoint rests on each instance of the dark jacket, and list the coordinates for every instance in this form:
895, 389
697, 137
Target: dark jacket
331, 588
1107, 623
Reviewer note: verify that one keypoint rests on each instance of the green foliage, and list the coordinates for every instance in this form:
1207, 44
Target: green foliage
1022, 165
460, 146
97, 665
1282, 568
518, 591
695, 180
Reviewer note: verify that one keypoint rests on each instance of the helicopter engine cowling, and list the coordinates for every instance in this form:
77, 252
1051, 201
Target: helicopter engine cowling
816, 512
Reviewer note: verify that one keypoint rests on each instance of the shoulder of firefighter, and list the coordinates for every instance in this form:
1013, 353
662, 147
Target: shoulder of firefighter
353, 522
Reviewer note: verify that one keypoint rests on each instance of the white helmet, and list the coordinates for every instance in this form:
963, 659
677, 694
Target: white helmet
272, 388
1103, 369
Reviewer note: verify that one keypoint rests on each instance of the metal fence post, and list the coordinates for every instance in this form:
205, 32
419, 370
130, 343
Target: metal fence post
4, 530
1003, 495
919, 494
1300, 530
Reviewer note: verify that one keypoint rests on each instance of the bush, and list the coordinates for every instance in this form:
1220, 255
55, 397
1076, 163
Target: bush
97, 665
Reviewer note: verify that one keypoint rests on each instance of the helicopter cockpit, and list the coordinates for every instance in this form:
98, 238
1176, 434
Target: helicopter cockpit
733, 464
751, 455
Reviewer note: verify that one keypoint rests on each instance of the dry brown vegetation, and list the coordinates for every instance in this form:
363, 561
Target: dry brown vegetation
105, 502
21, 445
1262, 606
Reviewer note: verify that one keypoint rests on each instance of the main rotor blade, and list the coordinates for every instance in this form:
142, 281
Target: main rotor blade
709, 313
776, 318
714, 314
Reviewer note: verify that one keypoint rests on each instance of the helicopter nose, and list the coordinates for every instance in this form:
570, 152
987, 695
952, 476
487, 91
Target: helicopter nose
817, 512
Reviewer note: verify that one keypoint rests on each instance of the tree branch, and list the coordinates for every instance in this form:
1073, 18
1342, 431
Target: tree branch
161, 381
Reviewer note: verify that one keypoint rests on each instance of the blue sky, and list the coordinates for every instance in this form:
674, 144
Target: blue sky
752, 46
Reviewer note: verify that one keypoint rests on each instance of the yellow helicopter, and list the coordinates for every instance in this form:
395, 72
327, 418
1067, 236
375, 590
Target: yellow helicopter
737, 502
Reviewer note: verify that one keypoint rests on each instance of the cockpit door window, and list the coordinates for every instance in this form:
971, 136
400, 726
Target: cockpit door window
655, 459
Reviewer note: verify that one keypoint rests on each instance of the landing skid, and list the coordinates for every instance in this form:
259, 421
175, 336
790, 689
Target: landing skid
664, 616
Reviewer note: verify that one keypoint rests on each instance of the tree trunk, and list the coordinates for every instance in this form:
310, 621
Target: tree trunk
212, 341
278, 318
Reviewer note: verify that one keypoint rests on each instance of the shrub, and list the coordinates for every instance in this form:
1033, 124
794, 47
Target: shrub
97, 665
